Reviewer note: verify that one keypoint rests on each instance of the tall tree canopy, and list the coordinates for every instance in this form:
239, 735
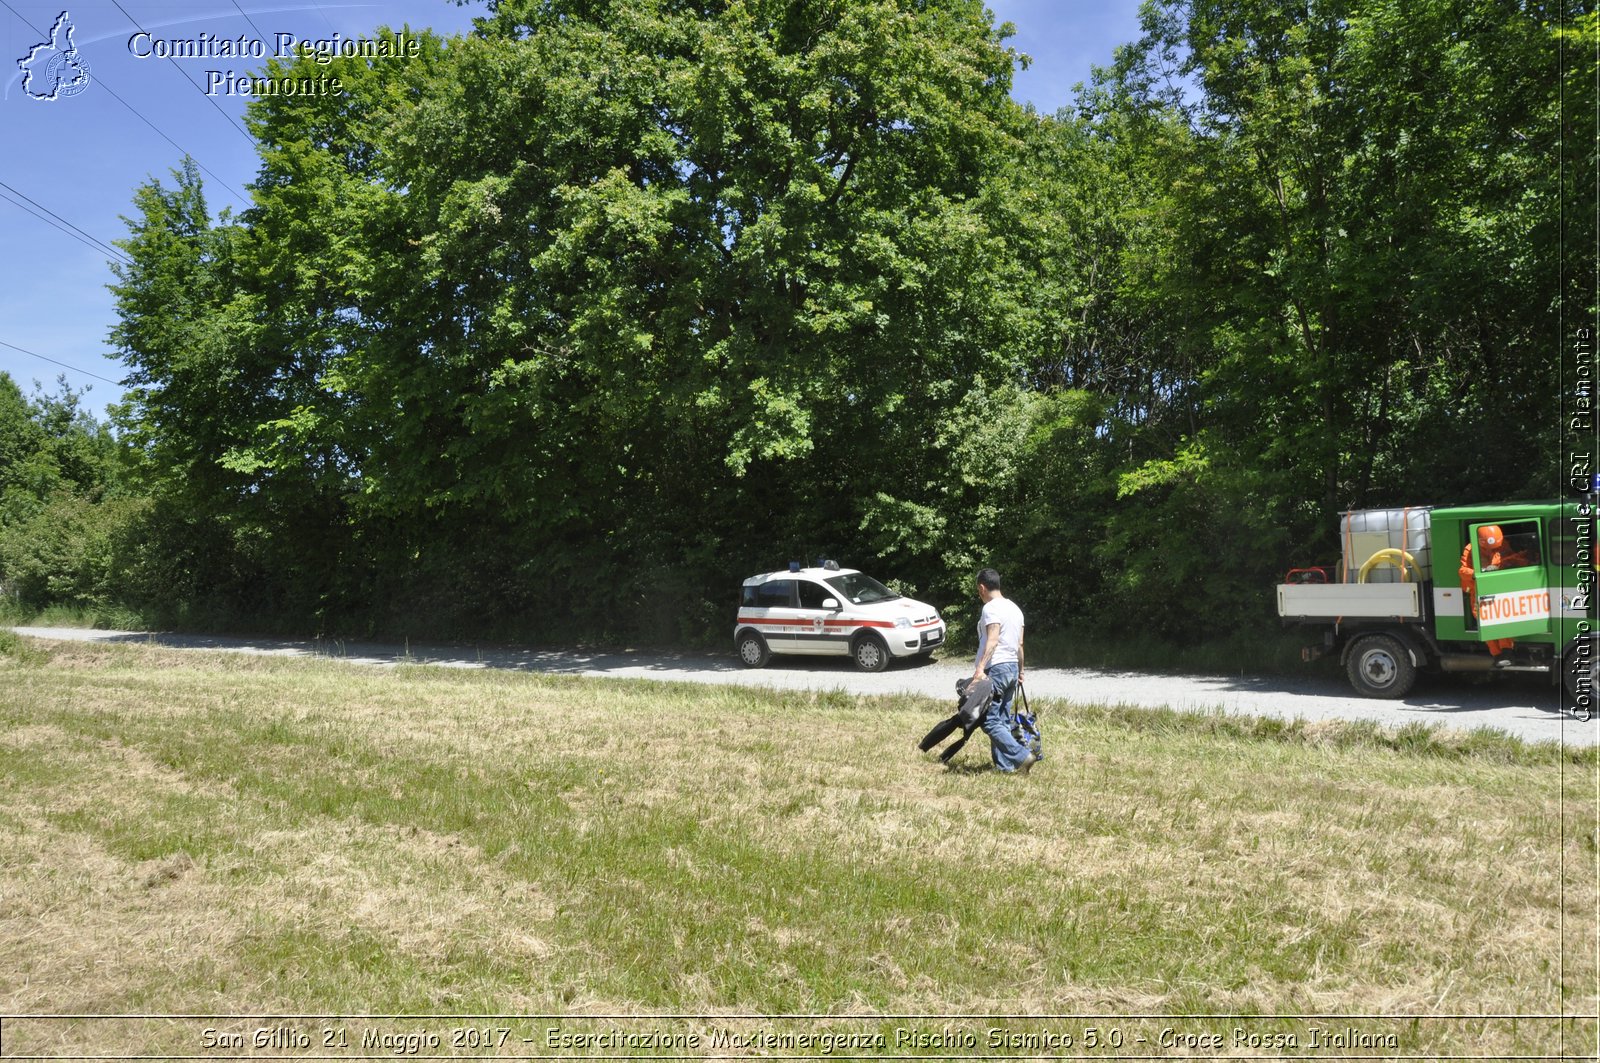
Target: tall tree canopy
589, 296
1349, 297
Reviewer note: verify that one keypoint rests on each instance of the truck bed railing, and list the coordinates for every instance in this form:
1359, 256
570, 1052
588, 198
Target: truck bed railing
1328, 601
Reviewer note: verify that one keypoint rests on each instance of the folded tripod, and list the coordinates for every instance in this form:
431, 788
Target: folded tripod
973, 701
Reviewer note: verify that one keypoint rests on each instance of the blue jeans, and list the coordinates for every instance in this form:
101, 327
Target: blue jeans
1007, 752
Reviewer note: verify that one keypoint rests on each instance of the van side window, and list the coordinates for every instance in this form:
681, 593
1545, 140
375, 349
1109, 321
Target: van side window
773, 594
812, 595
1522, 545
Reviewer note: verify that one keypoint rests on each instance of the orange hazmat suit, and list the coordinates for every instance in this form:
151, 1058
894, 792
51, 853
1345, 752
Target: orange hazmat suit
1490, 541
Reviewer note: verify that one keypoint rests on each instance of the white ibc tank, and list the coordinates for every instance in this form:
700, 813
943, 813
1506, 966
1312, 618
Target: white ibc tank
1366, 532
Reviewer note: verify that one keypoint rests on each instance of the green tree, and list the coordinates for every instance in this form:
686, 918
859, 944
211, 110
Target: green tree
26, 475
602, 305
1350, 281
63, 504
50, 444
1371, 189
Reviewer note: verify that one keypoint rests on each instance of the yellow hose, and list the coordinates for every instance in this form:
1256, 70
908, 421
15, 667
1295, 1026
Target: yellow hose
1398, 558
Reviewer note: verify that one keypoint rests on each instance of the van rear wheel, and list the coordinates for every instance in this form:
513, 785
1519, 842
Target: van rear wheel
753, 651
1380, 667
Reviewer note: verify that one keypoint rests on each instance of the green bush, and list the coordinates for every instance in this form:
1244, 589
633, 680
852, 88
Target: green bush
72, 552
19, 650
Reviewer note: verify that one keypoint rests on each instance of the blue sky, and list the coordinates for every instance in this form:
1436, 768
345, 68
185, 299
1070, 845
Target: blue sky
79, 157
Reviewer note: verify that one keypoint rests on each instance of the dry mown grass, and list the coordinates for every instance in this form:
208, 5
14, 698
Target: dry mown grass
214, 834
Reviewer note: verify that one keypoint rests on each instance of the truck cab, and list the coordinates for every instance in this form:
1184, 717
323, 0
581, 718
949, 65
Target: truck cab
1416, 592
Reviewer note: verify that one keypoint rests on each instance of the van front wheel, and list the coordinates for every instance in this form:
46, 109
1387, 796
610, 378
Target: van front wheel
870, 654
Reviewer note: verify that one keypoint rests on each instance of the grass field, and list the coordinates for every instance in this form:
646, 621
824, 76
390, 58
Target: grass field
209, 835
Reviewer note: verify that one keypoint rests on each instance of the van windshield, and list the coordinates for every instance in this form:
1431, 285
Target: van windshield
858, 589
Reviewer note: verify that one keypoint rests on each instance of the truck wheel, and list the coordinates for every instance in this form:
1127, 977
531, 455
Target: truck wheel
1580, 673
753, 650
870, 654
1380, 667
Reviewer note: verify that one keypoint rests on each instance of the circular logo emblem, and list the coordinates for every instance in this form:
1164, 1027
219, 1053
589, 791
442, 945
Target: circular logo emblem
68, 72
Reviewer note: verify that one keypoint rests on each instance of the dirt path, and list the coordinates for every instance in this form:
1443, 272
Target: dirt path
1525, 706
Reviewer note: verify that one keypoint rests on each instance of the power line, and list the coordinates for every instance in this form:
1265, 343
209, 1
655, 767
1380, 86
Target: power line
57, 361
92, 241
324, 15
238, 195
259, 35
50, 221
136, 113
208, 97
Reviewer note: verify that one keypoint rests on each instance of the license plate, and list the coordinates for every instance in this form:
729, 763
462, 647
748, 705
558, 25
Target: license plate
933, 638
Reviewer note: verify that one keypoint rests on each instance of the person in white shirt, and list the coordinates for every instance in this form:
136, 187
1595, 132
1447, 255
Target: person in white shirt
1000, 631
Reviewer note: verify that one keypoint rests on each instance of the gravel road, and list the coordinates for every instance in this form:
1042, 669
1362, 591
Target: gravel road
1525, 706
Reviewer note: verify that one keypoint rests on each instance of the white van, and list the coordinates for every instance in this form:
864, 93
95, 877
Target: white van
832, 610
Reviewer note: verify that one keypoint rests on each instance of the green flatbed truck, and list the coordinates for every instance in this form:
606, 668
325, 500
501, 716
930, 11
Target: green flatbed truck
1395, 606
